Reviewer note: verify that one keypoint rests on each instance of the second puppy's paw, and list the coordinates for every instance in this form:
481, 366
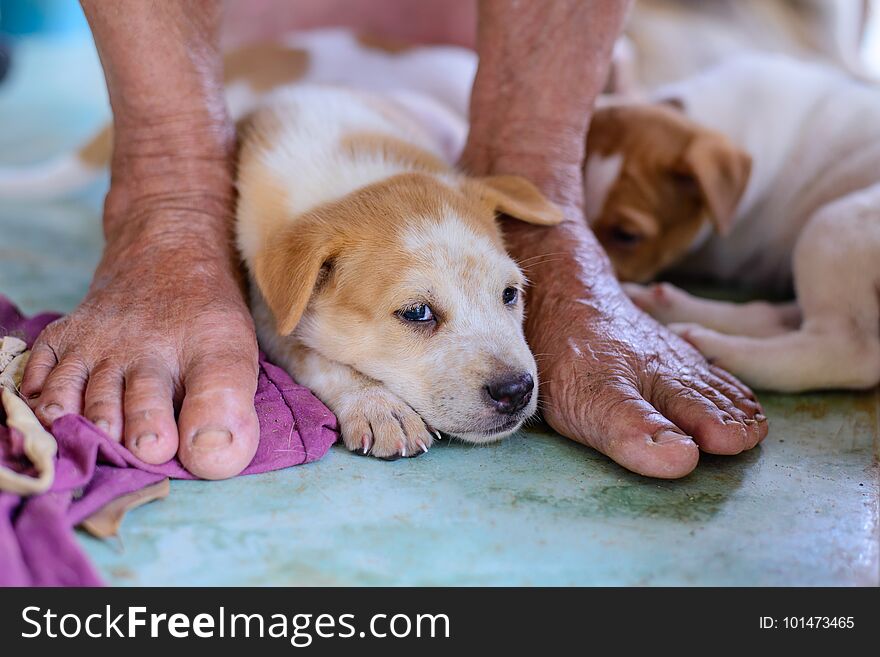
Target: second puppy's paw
702, 338
663, 301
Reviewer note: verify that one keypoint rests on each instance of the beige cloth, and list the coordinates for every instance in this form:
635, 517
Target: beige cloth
39, 445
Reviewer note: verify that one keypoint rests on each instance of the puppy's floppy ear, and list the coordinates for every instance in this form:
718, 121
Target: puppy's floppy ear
517, 197
287, 270
721, 171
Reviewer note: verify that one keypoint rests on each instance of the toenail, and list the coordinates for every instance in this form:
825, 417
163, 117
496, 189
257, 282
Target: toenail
750, 421
145, 441
103, 425
212, 439
760, 417
667, 436
53, 411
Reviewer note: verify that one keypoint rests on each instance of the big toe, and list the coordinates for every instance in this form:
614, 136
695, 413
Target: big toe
642, 440
635, 435
219, 431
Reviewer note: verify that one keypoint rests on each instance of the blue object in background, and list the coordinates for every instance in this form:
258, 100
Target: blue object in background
49, 17
5, 59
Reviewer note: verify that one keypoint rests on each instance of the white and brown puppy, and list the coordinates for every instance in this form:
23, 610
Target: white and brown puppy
769, 178
378, 274
380, 279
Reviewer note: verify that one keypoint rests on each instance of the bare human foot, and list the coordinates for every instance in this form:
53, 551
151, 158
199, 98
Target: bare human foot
611, 377
164, 329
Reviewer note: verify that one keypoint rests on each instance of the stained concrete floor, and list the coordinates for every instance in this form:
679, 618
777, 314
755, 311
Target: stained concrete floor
535, 510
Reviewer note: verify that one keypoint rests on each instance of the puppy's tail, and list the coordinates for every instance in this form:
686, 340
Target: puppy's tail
59, 176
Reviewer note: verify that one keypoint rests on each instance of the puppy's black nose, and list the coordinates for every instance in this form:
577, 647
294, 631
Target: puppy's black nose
509, 394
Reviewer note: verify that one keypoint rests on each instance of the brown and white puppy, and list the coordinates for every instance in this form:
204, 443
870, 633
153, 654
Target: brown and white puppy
769, 178
654, 179
380, 279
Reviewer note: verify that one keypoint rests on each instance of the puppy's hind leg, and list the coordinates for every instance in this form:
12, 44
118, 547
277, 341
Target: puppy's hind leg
669, 304
811, 358
837, 277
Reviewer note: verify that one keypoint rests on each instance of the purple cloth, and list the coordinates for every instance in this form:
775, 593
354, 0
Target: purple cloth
37, 544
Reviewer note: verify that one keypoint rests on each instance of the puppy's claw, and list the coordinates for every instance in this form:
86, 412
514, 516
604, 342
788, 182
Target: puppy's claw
422, 445
403, 450
437, 433
367, 443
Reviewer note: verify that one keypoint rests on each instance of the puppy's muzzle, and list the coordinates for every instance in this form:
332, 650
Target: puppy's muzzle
510, 393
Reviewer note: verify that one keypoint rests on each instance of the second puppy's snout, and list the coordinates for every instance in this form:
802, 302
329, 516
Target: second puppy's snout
510, 393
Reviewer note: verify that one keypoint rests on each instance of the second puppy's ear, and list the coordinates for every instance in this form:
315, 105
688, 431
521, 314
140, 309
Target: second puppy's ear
287, 271
721, 171
519, 198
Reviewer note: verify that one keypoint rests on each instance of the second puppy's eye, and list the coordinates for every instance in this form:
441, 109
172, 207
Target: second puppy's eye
509, 296
626, 236
420, 313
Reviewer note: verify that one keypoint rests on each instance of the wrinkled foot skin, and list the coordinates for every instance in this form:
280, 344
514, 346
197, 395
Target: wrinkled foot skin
374, 421
161, 354
647, 399
750, 358
618, 381
611, 376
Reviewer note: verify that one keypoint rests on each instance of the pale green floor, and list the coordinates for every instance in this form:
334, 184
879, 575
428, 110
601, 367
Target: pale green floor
536, 509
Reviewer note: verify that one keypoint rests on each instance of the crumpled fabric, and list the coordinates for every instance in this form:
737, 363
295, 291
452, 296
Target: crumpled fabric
37, 542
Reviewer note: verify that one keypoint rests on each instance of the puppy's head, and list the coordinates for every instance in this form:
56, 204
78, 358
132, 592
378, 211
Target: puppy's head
407, 281
653, 178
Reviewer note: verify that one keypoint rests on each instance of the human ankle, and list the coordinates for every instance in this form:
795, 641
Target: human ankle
164, 236
186, 195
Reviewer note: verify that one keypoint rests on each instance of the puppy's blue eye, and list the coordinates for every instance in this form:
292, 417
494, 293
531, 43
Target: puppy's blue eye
420, 313
509, 296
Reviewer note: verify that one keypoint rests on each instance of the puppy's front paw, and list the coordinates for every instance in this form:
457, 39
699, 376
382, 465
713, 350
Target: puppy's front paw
374, 421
